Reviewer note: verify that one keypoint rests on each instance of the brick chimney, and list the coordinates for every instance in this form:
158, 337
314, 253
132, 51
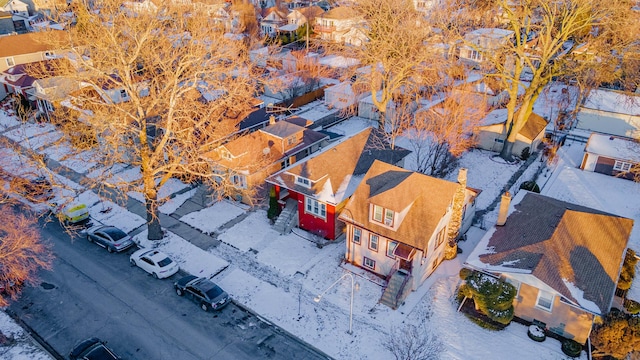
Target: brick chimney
462, 176
272, 120
504, 208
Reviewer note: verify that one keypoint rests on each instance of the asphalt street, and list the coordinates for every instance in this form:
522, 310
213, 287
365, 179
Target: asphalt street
90, 292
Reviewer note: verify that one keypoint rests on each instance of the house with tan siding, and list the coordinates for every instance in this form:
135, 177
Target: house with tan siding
564, 260
491, 134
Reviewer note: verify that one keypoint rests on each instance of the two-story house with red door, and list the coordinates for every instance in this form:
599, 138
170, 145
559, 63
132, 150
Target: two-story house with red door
320, 186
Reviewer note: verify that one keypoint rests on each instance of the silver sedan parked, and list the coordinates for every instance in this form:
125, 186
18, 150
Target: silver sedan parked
110, 238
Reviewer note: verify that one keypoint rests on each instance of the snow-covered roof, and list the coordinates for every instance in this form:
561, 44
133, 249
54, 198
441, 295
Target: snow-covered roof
613, 101
613, 147
558, 243
337, 61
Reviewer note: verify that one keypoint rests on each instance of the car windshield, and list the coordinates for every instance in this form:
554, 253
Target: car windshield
100, 353
165, 262
115, 234
214, 292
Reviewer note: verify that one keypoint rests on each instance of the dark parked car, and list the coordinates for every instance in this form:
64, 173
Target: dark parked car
92, 349
203, 292
110, 237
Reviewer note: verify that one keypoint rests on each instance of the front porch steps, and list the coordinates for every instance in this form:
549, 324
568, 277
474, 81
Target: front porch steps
396, 290
287, 217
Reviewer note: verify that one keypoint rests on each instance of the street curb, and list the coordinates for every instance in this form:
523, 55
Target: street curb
281, 330
37, 339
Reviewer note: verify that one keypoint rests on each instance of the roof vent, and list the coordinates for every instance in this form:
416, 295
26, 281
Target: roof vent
611, 138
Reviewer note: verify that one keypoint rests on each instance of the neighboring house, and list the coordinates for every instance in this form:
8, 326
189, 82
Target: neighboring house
272, 19
19, 11
251, 158
268, 56
397, 224
479, 44
15, 7
50, 92
335, 23
340, 96
610, 112
19, 79
6, 23
492, 133
563, 259
424, 6
611, 155
26, 48
322, 184
304, 15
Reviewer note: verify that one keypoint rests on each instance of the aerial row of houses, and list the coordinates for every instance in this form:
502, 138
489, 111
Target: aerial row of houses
395, 222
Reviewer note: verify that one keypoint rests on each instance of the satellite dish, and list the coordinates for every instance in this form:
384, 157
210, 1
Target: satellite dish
266, 151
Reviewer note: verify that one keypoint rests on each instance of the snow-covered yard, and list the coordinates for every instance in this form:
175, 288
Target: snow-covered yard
278, 276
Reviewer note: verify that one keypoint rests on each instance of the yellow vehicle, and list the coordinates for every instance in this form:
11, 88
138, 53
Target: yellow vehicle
72, 214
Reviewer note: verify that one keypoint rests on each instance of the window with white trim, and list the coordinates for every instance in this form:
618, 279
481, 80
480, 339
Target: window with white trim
391, 247
239, 181
377, 213
291, 140
357, 235
303, 181
373, 242
382, 215
10, 61
622, 166
315, 207
369, 263
123, 93
440, 237
545, 300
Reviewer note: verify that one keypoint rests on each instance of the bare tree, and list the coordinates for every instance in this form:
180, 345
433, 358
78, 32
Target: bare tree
159, 89
548, 38
302, 74
412, 342
395, 52
22, 251
438, 135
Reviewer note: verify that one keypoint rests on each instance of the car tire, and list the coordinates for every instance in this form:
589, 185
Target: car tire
204, 307
179, 292
155, 276
133, 262
109, 249
89, 239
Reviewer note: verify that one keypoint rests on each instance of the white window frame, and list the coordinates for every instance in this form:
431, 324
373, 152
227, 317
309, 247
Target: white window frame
369, 263
389, 216
302, 181
440, 237
239, 181
315, 208
544, 295
391, 247
357, 235
376, 242
377, 213
622, 166
10, 61
123, 94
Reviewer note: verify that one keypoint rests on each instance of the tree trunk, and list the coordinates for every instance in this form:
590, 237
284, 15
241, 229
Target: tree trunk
382, 119
153, 221
507, 148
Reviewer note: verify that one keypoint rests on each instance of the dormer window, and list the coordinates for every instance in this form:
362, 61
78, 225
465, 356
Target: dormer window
303, 181
382, 215
291, 140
